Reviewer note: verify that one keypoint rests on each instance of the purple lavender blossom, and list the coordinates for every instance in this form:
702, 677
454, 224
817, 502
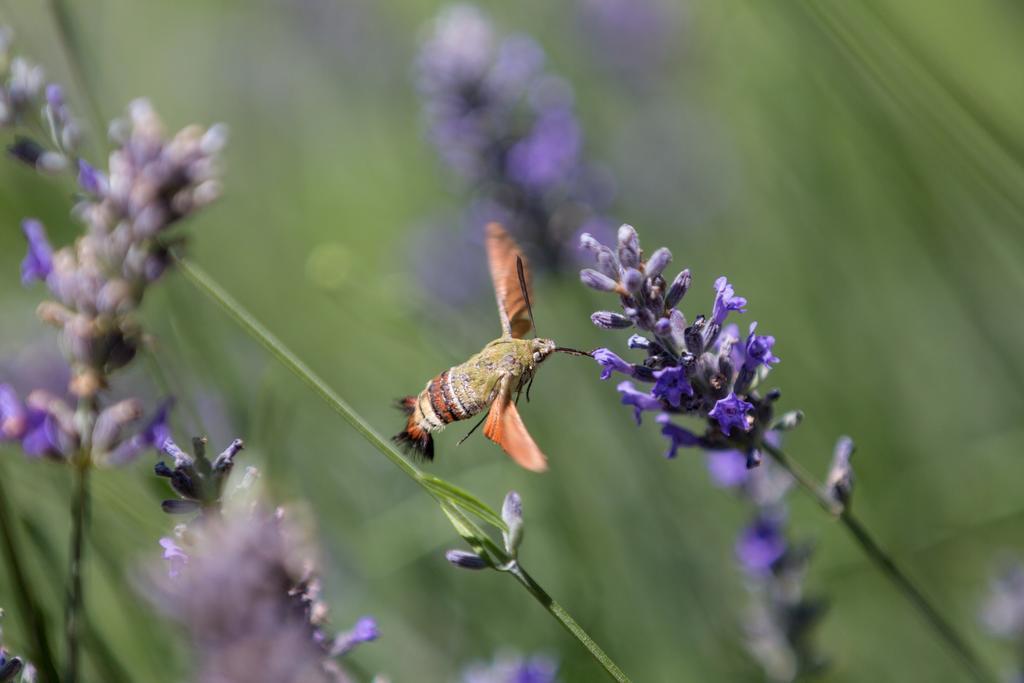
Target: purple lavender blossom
640, 400
725, 301
761, 545
610, 362
758, 350
731, 412
38, 263
672, 385
509, 131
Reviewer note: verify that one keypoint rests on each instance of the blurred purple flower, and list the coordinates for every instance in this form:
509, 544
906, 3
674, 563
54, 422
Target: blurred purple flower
509, 131
761, 545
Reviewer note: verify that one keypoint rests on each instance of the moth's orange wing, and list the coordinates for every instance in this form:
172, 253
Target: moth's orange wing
505, 427
502, 253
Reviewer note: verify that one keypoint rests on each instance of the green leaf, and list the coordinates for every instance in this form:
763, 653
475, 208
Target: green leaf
465, 500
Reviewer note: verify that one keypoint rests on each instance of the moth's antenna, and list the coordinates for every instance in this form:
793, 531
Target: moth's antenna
526, 294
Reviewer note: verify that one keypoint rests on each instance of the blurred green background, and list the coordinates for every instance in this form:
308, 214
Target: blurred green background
856, 169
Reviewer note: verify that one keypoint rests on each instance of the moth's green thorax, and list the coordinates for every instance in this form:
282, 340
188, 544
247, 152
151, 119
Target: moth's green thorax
514, 359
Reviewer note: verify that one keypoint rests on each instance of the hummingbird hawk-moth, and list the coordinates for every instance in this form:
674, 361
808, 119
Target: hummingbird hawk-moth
490, 379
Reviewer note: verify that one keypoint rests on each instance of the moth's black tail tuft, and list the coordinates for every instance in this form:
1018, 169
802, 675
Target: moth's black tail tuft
416, 442
414, 439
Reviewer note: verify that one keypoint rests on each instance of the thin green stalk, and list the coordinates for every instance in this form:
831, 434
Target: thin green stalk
75, 598
29, 610
566, 620
903, 583
465, 526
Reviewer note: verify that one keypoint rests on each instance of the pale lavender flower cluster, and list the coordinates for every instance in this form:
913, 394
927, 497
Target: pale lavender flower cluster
509, 128
702, 368
780, 619
98, 282
27, 101
1002, 613
512, 668
246, 592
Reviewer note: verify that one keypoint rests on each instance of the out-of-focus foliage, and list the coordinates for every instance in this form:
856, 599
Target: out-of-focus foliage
856, 169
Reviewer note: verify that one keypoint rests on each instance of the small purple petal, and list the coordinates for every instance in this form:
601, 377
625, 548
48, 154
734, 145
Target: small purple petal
38, 262
678, 437
725, 301
176, 557
41, 437
639, 400
758, 350
12, 414
90, 180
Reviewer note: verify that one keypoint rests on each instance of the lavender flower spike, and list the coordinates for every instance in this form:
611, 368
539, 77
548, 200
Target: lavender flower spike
731, 412
38, 263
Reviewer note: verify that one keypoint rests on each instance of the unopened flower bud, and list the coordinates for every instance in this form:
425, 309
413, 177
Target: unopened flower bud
629, 247
512, 514
596, 280
658, 262
466, 560
112, 421
678, 288
610, 321
632, 280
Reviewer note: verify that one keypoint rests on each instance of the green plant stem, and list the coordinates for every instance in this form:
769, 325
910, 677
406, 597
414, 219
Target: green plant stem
884, 562
286, 357
566, 620
30, 612
75, 598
